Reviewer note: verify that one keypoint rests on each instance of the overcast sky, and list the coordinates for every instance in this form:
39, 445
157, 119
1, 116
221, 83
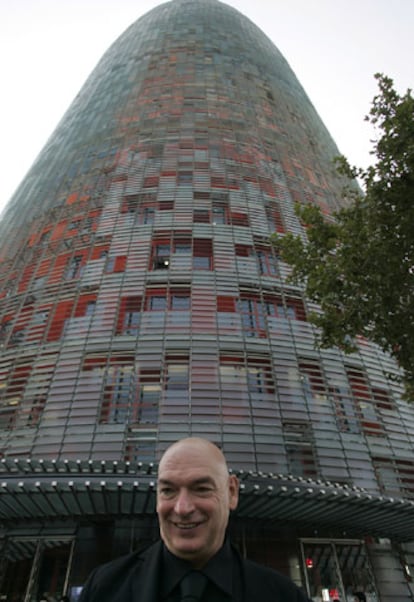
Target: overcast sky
49, 47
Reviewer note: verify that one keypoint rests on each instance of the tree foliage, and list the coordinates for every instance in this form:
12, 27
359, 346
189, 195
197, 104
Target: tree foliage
358, 264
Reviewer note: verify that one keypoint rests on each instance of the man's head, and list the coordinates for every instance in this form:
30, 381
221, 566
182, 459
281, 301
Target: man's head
194, 497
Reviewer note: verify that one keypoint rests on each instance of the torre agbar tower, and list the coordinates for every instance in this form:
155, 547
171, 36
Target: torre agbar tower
142, 302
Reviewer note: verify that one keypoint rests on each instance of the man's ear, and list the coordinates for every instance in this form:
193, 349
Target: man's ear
233, 491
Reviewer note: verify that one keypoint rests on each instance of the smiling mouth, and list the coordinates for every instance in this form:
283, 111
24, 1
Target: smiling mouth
186, 526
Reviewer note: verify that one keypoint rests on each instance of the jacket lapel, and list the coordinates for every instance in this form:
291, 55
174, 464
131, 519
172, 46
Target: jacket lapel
145, 584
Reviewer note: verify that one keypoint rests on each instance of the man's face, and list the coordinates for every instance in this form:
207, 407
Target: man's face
194, 497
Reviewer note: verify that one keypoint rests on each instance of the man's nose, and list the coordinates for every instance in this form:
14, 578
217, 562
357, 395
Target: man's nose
184, 503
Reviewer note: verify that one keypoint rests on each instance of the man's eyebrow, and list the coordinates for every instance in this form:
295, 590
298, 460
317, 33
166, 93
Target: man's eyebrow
203, 481
199, 481
164, 481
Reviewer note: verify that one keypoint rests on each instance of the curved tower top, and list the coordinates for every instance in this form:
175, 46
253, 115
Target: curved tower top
238, 73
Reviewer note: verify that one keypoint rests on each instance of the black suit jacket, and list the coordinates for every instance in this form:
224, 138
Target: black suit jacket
136, 578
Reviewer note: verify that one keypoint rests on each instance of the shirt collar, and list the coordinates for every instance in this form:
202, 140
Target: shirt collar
218, 569
173, 570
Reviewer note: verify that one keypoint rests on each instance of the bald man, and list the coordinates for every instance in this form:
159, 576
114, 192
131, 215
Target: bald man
195, 495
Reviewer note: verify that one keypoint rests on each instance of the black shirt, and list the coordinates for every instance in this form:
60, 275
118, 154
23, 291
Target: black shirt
153, 575
219, 570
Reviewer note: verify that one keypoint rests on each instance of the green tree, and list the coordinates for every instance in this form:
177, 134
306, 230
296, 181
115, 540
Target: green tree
358, 264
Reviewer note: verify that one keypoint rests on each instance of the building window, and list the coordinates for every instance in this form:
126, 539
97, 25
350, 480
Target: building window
38, 283
383, 402
73, 268
185, 177
274, 218
395, 476
164, 250
151, 181
131, 322
182, 247
216, 215
255, 310
145, 205
129, 316
219, 214
201, 195
37, 326
17, 337
226, 304
149, 396
161, 256
369, 417
115, 264
201, 216
243, 250
165, 299
85, 305
239, 219
202, 254
175, 385
119, 384
132, 202
44, 237
291, 309
40, 318
32, 411
62, 313
74, 225
313, 381
253, 314
12, 392
140, 448
266, 261
299, 450
180, 300
156, 302
320, 393
5, 327
147, 215
8, 413
259, 377
177, 373
387, 476
147, 211
406, 474
90, 308
119, 391
253, 375
345, 412
90, 223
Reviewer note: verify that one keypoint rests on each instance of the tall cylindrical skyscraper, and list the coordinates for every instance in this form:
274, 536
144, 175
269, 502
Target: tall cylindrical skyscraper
141, 301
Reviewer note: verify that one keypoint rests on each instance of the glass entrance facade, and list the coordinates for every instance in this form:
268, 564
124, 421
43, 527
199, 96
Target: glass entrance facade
334, 570
31, 567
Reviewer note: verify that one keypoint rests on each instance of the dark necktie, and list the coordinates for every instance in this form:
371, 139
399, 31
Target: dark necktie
192, 586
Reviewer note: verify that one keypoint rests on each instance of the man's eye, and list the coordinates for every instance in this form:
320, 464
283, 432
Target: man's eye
166, 491
203, 489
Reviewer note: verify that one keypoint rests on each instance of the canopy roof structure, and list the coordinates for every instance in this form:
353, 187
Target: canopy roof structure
48, 489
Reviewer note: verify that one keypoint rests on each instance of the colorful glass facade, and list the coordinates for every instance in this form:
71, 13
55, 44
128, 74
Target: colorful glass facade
141, 302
